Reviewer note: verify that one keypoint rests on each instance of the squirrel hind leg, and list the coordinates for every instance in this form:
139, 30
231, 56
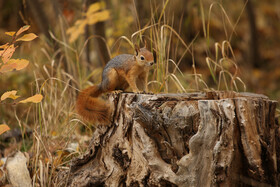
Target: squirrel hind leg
110, 80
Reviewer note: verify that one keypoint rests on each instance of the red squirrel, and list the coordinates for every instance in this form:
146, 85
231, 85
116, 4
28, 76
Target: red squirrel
121, 72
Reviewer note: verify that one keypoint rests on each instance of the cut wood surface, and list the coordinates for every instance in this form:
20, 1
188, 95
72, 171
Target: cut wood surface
196, 139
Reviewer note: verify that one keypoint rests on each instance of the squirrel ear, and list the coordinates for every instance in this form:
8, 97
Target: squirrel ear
137, 49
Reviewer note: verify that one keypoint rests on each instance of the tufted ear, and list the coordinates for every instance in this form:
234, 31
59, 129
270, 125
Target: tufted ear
137, 49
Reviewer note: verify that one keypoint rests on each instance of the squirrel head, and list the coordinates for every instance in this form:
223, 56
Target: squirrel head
143, 56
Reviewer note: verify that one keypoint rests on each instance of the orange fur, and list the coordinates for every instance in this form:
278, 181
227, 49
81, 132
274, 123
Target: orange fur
92, 108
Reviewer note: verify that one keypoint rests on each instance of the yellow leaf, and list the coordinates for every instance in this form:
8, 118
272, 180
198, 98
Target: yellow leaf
76, 30
7, 67
14, 97
4, 46
4, 128
1, 164
10, 33
7, 53
27, 37
9, 94
22, 29
20, 63
98, 16
95, 7
54, 133
14, 64
34, 99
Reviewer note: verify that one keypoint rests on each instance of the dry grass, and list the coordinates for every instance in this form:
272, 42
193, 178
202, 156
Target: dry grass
58, 133
223, 68
60, 74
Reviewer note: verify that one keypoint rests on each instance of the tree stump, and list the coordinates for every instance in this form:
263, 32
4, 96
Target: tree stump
196, 139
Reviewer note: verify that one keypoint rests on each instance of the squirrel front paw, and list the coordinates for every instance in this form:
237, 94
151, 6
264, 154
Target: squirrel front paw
143, 92
117, 91
147, 92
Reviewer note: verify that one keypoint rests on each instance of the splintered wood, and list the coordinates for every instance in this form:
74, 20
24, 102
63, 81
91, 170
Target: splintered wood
198, 139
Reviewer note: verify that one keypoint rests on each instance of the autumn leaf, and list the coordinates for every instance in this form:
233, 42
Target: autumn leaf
4, 46
27, 37
14, 64
92, 16
34, 99
76, 30
22, 29
20, 63
4, 128
95, 7
7, 53
10, 94
7, 67
10, 33
98, 16
2, 163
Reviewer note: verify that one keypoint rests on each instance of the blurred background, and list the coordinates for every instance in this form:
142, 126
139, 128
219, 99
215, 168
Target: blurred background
200, 45
251, 27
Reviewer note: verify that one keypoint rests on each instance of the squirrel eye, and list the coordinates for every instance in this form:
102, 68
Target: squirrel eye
142, 58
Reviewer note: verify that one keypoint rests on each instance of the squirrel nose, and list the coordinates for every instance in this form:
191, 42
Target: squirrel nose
152, 63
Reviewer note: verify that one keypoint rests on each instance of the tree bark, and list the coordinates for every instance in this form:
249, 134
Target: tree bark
197, 139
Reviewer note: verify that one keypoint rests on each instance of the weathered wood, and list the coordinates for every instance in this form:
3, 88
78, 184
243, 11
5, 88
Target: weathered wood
198, 139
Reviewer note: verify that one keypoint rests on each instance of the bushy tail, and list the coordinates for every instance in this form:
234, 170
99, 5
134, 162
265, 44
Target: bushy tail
91, 108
